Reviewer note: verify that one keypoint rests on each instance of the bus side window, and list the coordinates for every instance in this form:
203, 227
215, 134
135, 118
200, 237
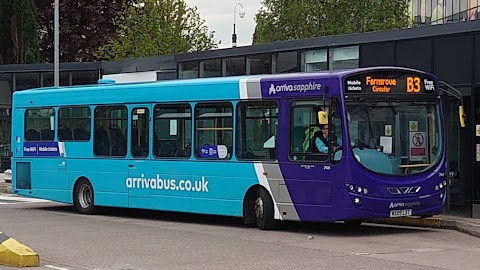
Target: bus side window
214, 130
39, 124
111, 141
74, 124
257, 128
308, 138
172, 131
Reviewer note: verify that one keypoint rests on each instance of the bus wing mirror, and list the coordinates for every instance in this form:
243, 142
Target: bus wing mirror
322, 118
461, 115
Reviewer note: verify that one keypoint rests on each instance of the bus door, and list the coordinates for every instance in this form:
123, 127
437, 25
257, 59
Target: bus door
139, 172
315, 147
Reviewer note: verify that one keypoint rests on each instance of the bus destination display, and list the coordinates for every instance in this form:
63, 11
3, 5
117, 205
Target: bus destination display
389, 83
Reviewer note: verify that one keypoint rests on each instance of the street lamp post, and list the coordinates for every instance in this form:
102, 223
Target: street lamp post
56, 65
241, 12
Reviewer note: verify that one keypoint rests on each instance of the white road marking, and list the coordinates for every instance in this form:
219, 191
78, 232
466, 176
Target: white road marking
11, 199
56, 267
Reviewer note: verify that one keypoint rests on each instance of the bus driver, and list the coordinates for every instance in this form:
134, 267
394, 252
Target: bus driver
321, 140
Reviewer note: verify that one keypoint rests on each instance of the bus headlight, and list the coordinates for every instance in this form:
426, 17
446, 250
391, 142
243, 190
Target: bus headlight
357, 200
436, 187
359, 189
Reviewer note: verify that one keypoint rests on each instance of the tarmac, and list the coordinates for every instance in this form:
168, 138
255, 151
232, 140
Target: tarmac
466, 225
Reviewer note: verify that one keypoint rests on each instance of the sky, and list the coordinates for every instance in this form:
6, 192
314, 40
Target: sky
218, 16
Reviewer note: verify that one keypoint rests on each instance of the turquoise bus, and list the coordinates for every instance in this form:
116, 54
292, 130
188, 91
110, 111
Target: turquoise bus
335, 146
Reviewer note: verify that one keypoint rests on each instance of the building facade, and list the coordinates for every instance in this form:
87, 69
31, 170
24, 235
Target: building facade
449, 50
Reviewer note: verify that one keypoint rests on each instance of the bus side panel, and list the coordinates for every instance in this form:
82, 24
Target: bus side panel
107, 177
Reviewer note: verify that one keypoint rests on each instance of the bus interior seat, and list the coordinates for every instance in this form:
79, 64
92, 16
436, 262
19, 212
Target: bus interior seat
47, 134
64, 133
32, 135
118, 141
81, 134
102, 142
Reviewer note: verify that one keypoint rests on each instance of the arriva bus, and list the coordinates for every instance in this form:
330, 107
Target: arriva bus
336, 146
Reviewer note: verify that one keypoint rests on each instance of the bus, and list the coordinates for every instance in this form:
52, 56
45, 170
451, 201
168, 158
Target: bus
349, 146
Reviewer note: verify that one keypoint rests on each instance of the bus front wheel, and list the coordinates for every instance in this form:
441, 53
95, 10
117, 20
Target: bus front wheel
83, 197
264, 210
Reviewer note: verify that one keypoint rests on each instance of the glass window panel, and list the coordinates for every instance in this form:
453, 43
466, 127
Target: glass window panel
188, 70
210, 68
472, 9
286, 62
74, 124
234, 66
110, 131
309, 140
5, 119
85, 77
26, 80
39, 124
172, 136
315, 60
257, 131
259, 64
214, 130
438, 11
344, 58
48, 80
140, 132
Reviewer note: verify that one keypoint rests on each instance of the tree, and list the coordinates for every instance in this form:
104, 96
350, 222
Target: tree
287, 20
85, 25
158, 27
18, 38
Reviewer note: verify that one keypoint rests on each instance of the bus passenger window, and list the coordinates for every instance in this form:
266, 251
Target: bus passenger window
214, 130
74, 124
110, 131
257, 128
172, 131
39, 124
140, 132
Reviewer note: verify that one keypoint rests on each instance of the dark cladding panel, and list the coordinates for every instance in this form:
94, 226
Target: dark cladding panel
415, 54
453, 60
477, 58
377, 54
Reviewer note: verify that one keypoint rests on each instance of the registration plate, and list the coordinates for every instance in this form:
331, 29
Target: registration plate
401, 213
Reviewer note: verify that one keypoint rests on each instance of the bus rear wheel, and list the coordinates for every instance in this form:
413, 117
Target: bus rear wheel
84, 197
263, 210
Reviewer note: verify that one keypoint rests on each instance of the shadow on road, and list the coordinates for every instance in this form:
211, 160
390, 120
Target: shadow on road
337, 229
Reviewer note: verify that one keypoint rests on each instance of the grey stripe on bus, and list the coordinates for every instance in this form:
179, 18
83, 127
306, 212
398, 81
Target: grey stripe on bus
280, 191
253, 88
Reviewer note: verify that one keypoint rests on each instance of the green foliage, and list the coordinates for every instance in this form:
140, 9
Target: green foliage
157, 27
85, 25
18, 38
287, 20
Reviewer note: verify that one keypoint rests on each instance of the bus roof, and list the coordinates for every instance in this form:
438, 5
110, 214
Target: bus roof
201, 89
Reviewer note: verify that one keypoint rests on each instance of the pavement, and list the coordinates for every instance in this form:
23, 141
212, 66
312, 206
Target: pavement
466, 225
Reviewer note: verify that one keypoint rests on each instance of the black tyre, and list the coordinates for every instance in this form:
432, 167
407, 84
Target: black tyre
263, 209
84, 197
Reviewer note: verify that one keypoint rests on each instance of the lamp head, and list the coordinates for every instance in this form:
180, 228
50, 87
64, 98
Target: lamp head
241, 13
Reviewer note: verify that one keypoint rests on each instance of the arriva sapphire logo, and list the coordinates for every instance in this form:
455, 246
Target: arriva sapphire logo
287, 87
